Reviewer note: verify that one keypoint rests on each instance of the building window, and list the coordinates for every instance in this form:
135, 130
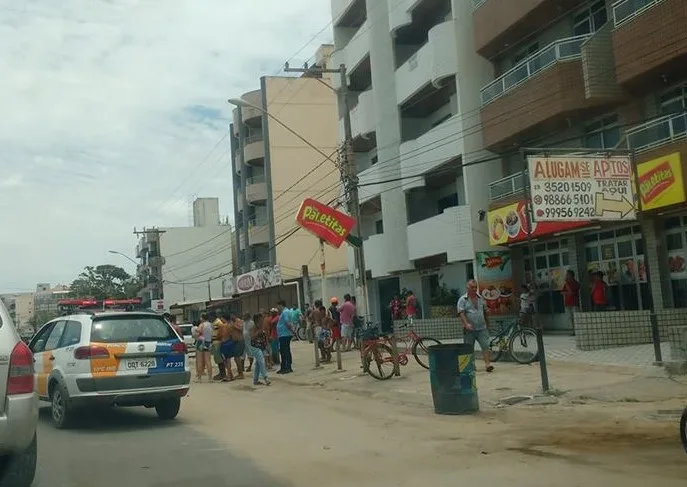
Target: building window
674, 100
551, 262
379, 226
676, 247
619, 254
603, 133
526, 52
447, 202
590, 19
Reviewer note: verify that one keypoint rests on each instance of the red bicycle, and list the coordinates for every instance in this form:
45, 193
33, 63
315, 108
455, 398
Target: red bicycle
377, 348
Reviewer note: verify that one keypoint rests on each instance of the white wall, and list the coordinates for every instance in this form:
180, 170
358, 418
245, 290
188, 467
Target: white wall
211, 256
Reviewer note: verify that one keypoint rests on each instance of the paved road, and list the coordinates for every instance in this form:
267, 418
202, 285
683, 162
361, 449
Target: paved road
132, 448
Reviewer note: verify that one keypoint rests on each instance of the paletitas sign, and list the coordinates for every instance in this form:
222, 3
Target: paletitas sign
574, 188
324, 222
660, 182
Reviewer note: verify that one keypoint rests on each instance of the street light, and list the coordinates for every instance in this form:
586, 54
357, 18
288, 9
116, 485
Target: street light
123, 255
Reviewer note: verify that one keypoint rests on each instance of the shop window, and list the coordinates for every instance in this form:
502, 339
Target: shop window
676, 240
550, 265
590, 19
619, 254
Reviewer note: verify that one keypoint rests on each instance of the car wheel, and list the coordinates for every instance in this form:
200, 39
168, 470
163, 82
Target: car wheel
20, 469
168, 409
59, 407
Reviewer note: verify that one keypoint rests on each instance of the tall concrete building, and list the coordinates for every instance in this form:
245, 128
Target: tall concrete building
274, 170
415, 78
595, 75
186, 264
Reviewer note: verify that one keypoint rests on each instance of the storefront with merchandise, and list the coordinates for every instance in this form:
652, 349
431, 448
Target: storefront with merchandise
643, 259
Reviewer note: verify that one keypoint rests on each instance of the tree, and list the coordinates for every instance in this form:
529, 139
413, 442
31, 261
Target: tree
40, 318
105, 281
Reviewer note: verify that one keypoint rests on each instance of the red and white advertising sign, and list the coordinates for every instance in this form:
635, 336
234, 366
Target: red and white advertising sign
325, 222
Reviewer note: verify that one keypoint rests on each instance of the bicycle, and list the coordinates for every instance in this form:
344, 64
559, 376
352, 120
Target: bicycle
683, 429
511, 336
412, 344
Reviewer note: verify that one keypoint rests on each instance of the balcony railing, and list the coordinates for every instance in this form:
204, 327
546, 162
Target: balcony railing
561, 50
252, 138
508, 186
658, 132
626, 10
477, 4
256, 179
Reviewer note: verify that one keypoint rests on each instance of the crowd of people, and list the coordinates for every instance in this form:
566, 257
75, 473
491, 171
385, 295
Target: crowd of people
261, 342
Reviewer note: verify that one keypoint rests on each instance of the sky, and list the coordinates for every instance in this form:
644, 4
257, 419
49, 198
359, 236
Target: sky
114, 116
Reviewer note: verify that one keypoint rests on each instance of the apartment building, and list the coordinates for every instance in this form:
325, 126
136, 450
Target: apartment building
415, 77
186, 264
594, 75
275, 170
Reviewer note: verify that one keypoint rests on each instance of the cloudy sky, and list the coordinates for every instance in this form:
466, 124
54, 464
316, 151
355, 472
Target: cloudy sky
111, 110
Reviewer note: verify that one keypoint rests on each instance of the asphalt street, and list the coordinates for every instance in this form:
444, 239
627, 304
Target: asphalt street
132, 447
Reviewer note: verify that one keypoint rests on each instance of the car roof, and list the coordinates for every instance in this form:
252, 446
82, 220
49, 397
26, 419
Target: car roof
113, 314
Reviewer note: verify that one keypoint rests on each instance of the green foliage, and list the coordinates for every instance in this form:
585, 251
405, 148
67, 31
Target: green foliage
445, 296
103, 282
40, 318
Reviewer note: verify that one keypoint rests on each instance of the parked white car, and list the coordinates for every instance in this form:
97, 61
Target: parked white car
18, 407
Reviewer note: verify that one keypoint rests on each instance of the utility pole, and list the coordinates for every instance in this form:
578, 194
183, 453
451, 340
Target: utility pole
157, 232
349, 176
209, 291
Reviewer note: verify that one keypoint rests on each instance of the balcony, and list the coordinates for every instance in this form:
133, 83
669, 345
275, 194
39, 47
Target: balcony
650, 42
451, 233
254, 150
546, 89
364, 115
435, 61
345, 13
252, 115
256, 190
238, 162
507, 187
430, 151
358, 48
657, 133
500, 24
258, 232
400, 13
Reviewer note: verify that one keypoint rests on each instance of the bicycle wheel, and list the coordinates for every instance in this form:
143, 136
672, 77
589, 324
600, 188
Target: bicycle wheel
523, 346
420, 350
496, 346
683, 429
301, 333
379, 361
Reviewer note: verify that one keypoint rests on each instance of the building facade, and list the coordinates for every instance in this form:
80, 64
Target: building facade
186, 264
274, 170
414, 79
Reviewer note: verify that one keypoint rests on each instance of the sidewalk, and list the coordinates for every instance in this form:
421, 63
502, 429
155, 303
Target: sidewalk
570, 382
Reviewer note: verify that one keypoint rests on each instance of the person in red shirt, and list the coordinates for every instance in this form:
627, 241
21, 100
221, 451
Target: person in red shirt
599, 301
571, 297
411, 306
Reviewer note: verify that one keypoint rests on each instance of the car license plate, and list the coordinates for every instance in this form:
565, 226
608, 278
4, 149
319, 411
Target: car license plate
149, 363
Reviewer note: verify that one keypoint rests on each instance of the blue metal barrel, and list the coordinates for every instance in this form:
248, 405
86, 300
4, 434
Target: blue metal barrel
452, 375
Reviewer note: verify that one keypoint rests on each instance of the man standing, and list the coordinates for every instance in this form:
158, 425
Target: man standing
571, 297
226, 348
285, 332
215, 348
473, 316
346, 314
236, 333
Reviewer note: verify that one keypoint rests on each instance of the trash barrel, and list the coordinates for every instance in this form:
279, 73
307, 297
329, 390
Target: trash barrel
453, 379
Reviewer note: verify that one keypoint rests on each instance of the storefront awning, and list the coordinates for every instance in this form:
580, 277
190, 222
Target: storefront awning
183, 304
